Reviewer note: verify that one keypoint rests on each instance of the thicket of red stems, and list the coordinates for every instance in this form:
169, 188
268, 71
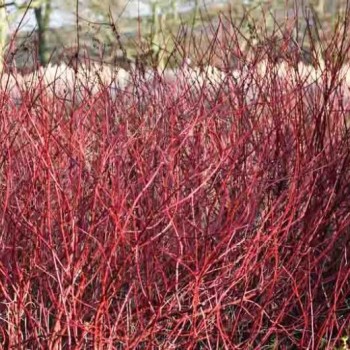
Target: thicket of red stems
211, 219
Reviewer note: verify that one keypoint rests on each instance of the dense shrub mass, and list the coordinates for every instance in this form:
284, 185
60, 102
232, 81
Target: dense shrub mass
195, 210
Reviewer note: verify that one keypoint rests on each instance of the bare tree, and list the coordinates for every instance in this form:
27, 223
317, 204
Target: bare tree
42, 10
101, 9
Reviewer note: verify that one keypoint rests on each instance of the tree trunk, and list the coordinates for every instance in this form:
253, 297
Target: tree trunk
42, 16
3, 32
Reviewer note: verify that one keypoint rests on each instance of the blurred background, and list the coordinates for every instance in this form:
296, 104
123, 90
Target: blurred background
156, 32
